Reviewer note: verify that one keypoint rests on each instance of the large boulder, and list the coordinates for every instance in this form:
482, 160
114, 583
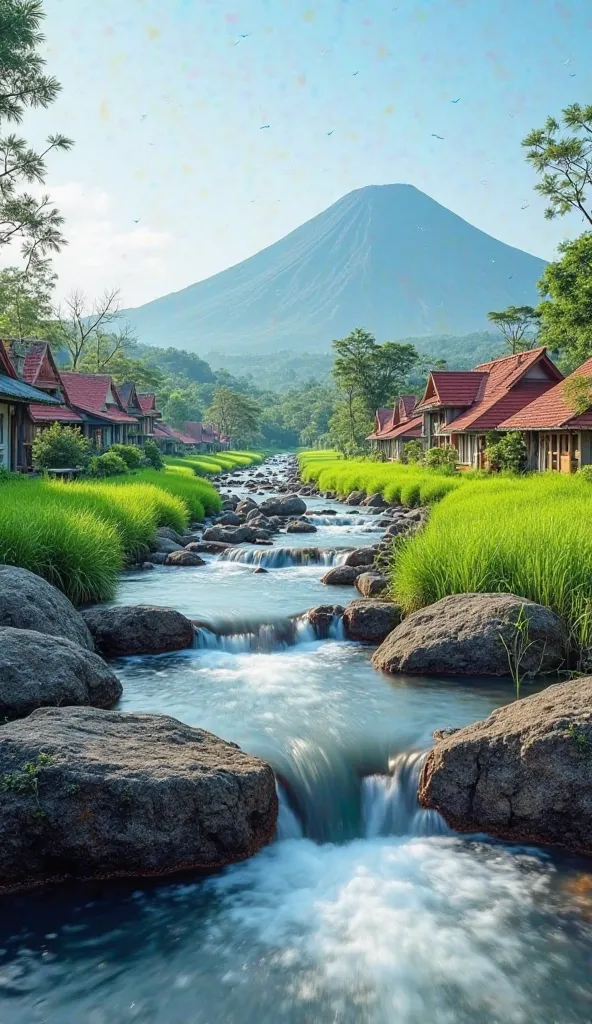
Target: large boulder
114, 794
341, 576
523, 773
29, 602
230, 534
374, 501
245, 506
291, 505
322, 618
209, 547
372, 584
370, 621
229, 519
164, 546
467, 634
300, 526
37, 670
138, 629
355, 498
361, 556
184, 558
167, 533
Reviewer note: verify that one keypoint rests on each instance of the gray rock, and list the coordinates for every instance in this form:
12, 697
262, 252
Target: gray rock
209, 547
167, 533
165, 546
126, 794
461, 635
322, 618
300, 526
355, 498
374, 501
184, 558
158, 558
230, 519
37, 670
289, 506
245, 506
29, 602
138, 629
361, 557
230, 534
522, 774
372, 584
341, 575
370, 621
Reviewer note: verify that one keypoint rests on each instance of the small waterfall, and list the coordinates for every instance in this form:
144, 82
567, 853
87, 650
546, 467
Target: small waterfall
389, 802
266, 637
288, 826
281, 558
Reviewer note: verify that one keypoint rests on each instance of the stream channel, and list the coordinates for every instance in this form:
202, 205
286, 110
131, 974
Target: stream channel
365, 909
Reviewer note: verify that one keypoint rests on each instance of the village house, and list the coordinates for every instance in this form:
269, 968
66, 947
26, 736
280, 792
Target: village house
557, 438
94, 397
206, 437
394, 427
463, 408
16, 424
142, 409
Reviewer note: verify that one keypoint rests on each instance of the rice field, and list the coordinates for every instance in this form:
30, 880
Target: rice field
210, 465
409, 485
79, 535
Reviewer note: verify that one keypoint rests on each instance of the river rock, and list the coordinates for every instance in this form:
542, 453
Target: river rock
461, 635
361, 556
126, 794
138, 629
245, 506
38, 670
158, 557
166, 546
523, 773
229, 519
289, 506
300, 526
230, 534
209, 547
370, 621
341, 575
29, 602
355, 498
184, 559
372, 584
375, 500
322, 618
167, 533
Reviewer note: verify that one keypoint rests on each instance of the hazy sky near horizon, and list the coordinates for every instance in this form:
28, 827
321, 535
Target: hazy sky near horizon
166, 103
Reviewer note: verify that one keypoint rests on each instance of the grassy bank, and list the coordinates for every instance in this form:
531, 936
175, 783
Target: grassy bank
210, 465
80, 535
410, 485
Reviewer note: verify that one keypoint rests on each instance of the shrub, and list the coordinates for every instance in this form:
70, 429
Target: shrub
152, 454
109, 464
60, 447
508, 454
445, 458
586, 473
131, 455
413, 452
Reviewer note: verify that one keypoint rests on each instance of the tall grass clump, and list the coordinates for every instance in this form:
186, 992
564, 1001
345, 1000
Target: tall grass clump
528, 536
74, 550
131, 512
408, 485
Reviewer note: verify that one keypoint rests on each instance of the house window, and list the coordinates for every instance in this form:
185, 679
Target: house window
464, 449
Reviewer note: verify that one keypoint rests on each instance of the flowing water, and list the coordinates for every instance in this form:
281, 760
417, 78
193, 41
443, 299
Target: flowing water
366, 909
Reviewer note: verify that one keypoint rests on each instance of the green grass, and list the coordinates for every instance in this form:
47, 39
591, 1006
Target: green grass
528, 536
79, 535
211, 465
409, 485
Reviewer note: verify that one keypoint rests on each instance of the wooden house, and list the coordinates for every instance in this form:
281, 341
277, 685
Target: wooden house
461, 408
394, 427
557, 436
16, 424
94, 397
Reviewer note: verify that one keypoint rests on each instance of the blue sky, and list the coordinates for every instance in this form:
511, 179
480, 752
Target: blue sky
209, 187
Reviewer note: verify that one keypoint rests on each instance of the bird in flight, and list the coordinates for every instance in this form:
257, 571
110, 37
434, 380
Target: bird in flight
434, 136
137, 221
331, 132
572, 74
264, 126
455, 101
143, 117
566, 62
243, 35
355, 73
525, 206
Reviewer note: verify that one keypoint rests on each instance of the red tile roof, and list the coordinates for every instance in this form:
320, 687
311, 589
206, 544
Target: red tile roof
89, 392
54, 413
407, 404
387, 420
38, 365
410, 428
550, 411
147, 402
453, 388
163, 430
184, 438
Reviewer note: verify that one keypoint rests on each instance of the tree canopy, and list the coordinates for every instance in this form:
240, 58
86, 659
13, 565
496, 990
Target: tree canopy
566, 309
564, 161
518, 325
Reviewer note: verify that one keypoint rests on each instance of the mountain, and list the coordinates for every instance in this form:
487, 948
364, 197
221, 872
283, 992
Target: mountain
385, 257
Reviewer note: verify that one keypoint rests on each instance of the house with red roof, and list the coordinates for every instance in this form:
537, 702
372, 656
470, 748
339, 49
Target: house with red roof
16, 425
94, 397
558, 437
393, 428
206, 437
463, 408
34, 363
142, 408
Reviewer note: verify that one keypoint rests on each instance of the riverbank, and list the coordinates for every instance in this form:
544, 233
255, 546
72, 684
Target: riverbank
364, 904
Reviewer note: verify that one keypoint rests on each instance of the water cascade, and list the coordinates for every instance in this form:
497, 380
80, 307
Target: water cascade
282, 558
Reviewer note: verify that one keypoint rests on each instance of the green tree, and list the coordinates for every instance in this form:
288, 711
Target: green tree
519, 325
25, 301
566, 309
32, 220
236, 415
577, 393
563, 161
123, 367
509, 453
176, 409
349, 426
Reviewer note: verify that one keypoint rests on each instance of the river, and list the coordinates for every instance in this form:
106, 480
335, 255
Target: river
365, 909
